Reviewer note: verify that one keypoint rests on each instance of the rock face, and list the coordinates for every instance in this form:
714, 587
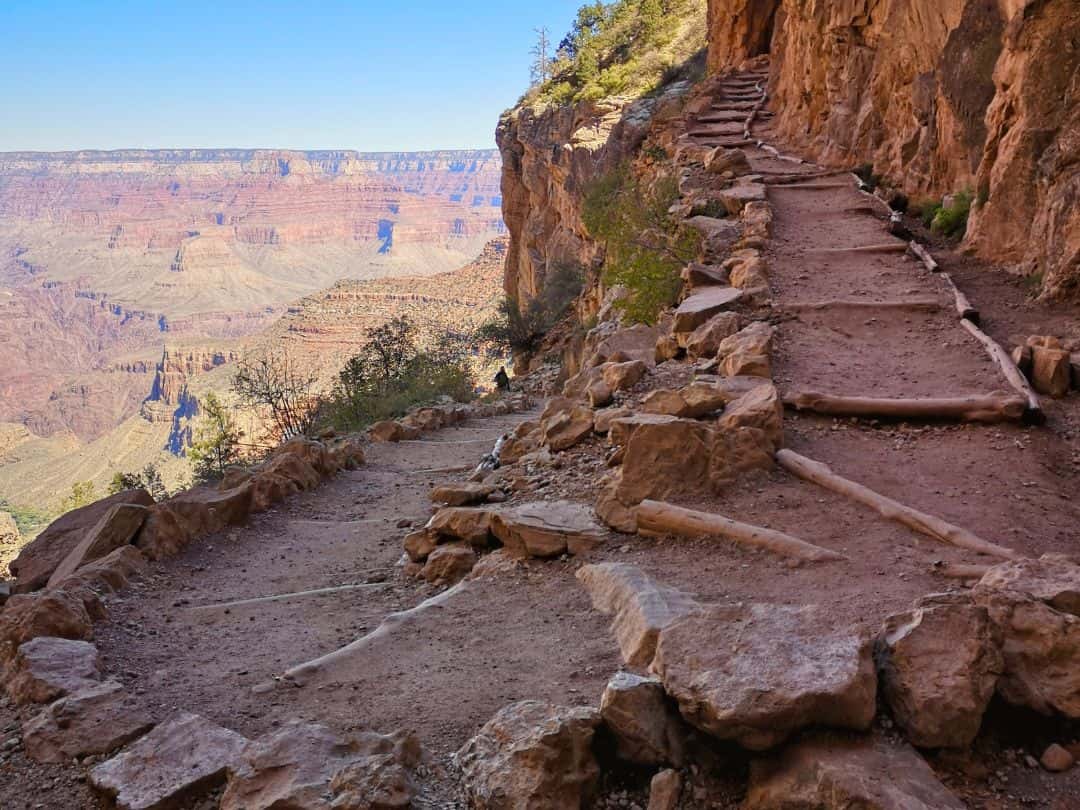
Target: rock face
307, 765
640, 607
838, 773
532, 756
939, 95
1035, 606
37, 561
646, 727
46, 668
57, 614
95, 720
939, 664
756, 673
180, 758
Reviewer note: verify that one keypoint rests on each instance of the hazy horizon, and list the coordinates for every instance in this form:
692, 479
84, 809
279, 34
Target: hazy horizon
115, 75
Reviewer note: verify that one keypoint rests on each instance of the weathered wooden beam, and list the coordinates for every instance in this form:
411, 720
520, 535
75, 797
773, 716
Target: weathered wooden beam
963, 306
667, 518
820, 474
979, 408
913, 305
1033, 413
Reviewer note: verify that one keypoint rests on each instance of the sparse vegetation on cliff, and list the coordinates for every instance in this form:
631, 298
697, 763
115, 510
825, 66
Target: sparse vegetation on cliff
521, 328
148, 478
216, 445
645, 246
391, 374
628, 47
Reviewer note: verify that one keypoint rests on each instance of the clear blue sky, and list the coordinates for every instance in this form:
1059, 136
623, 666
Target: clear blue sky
393, 75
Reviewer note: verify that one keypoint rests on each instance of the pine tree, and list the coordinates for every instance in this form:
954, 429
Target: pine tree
540, 70
216, 445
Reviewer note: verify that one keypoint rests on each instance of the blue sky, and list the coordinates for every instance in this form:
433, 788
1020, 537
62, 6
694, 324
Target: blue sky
406, 75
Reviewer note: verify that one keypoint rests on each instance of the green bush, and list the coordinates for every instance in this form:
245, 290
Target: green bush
392, 374
521, 329
645, 247
28, 520
149, 478
952, 220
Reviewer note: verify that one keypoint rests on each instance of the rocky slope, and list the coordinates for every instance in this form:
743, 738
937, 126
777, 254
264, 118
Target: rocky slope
939, 96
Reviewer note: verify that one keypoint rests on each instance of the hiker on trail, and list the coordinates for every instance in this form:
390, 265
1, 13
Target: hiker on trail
502, 380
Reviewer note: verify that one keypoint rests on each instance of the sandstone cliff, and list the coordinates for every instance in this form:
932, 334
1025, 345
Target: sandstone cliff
939, 96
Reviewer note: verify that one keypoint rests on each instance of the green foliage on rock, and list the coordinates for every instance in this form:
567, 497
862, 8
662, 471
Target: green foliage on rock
627, 47
29, 521
392, 374
83, 493
645, 247
951, 220
216, 444
521, 328
148, 478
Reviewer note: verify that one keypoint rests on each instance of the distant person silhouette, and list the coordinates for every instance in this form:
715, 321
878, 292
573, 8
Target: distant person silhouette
502, 380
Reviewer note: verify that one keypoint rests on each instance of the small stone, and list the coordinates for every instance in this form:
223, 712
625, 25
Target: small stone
1057, 759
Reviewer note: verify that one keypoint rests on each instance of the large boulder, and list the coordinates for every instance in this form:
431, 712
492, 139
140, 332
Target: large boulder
39, 558
749, 433
547, 528
756, 673
206, 510
665, 459
115, 529
469, 524
96, 719
623, 376
1050, 373
640, 607
448, 564
1034, 605
58, 613
180, 759
939, 664
646, 726
47, 668
110, 573
746, 353
309, 766
564, 429
706, 339
164, 534
833, 772
532, 756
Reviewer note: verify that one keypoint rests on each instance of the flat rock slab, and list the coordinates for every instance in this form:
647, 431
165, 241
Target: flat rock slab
755, 673
47, 668
700, 307
182, 757
831, 772
641, 607
461, 494
94, 720
547, 528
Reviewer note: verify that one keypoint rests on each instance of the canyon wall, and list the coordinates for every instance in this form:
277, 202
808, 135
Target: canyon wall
939, 96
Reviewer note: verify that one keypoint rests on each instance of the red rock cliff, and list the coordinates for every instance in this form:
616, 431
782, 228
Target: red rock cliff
939, 95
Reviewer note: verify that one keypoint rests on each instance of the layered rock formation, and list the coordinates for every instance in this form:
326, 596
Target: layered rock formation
939, 96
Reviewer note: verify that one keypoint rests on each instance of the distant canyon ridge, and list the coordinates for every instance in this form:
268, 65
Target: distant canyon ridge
108, 258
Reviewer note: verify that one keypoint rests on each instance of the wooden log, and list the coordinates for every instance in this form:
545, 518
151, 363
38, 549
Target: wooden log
963, 305
786, 178
817, 186
980, 408
820, 474
960, 570
887, 247
666, 518
914, 305
1033, 413
924, 256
